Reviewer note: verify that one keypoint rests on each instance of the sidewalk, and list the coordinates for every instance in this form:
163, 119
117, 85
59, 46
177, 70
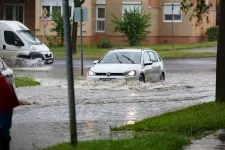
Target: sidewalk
199, 50
210, 142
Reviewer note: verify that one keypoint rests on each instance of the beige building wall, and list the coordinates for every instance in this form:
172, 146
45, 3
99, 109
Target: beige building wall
161, 32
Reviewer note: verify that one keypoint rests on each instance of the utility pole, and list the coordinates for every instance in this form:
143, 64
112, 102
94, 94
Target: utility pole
81, 43
220, 71
172, 26
69, 67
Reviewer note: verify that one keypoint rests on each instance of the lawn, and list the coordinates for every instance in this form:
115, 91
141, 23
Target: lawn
169, 131
144, 142
25, 81
166, 50
190, 121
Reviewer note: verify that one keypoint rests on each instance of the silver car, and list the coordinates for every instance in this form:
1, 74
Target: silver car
128, 64
6, 71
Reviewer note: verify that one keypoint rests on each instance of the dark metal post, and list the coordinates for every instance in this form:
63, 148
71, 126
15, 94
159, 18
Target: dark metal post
172, 26
70, 79
81, 42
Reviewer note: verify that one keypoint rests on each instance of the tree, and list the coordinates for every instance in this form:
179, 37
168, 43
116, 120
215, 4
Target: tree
77, 3
220, 71
58, 24
133, 25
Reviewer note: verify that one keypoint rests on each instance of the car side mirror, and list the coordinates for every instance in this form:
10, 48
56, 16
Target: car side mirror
96, 61
18, 43
148, 63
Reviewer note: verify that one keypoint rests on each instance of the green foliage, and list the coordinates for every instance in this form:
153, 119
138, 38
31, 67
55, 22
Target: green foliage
133, 25
212, 33
199, 9
104, 44
189, 121
25, 81
153, 141
51, 40
58, 24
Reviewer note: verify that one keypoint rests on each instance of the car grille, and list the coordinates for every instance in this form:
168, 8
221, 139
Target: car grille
111, 74
48, 55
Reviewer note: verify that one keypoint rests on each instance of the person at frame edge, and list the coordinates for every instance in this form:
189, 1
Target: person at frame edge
8, 101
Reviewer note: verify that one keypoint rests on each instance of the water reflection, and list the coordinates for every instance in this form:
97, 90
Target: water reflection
131, 115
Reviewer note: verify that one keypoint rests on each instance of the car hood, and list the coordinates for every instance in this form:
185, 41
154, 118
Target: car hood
41, 48
114, 68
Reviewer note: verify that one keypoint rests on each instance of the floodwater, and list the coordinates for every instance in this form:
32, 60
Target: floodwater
44, 120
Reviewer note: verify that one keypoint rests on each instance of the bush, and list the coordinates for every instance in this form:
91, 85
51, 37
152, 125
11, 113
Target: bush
134, 25
52, 40
104, 44
212, 33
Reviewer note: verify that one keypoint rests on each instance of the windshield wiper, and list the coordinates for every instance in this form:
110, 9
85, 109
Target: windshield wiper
129, 59
118, 58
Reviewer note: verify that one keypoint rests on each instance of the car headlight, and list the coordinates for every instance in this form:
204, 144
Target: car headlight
91, 73
130, 73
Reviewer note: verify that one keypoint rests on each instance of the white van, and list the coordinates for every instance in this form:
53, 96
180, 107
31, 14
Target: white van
17, 41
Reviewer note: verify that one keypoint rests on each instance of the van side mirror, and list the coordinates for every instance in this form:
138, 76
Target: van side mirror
96, 61
148, 63
18, 42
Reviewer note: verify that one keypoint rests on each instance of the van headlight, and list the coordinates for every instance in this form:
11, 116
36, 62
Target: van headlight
91, 73
33, 48
130, 73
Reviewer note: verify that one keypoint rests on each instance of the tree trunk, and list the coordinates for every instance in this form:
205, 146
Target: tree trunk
220, 71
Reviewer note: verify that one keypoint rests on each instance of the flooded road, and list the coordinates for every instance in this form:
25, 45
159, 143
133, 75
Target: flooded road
44, 120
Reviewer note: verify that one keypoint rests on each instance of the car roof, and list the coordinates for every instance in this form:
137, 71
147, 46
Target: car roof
15, 25
130, 50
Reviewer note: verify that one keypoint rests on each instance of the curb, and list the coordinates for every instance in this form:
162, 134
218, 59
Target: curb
188, 57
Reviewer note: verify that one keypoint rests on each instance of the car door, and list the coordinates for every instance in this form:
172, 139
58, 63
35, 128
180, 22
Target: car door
9, 47
148, 68
155, 66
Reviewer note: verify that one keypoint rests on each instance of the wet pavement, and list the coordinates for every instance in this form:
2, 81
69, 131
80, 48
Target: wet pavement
44, 120
215, 141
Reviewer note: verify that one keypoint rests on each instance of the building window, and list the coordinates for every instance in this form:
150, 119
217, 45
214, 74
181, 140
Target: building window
47, 9
55, 8
130, 6
100, 19
176, 14
52, 5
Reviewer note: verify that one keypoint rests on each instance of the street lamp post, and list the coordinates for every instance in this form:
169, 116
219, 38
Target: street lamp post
172, 26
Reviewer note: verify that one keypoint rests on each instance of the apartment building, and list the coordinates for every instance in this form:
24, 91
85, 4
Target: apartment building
99, 25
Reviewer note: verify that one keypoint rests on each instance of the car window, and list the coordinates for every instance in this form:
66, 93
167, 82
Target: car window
1, 65
122, 58
152, 57
10, 37
146, 57
158, 57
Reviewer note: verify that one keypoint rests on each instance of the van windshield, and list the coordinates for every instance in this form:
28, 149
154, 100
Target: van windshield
28, 36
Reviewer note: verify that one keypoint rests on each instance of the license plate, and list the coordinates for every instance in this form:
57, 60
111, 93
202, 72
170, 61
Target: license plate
49, 61
107, 79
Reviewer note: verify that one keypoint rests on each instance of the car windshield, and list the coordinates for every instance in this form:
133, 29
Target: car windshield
28, 36
122, 58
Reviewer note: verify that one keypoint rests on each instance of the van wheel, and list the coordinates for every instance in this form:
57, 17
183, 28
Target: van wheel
141, 78
162, 77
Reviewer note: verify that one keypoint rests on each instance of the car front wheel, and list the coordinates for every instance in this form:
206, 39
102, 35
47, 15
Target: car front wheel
162, 77
141, 78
